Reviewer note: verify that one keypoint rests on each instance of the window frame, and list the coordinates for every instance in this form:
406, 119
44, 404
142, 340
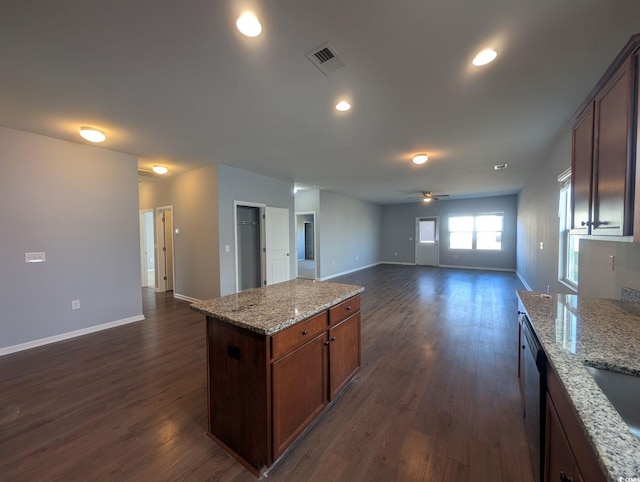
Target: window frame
566, 239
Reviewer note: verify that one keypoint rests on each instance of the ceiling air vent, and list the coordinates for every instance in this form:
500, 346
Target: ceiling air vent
326, 59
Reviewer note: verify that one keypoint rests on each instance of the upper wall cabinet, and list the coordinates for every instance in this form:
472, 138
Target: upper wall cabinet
605, 134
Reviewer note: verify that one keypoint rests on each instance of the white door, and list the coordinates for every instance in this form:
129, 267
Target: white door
427, 241
277, 245
164, 248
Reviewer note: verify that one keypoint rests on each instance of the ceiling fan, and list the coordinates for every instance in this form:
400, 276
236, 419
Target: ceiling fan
428, 196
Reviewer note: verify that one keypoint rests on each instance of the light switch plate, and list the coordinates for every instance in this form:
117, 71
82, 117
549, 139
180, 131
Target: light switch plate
34, 257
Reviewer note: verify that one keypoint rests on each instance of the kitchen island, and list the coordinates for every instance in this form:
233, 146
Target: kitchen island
576, 332
277, 356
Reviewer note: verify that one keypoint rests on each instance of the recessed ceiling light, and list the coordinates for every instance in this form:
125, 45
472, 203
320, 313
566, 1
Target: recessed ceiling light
160, 169
484, 57
420, 158
343, 106
92, 135
249, 25
498, 167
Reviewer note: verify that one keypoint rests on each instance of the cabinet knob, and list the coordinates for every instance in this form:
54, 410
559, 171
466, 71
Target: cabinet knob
333, 338
564, 478
326, 343
304, 332
520, 312
583, 223
523, 347
348, 308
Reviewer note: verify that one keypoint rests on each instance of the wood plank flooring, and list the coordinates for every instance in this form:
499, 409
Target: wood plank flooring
436, 399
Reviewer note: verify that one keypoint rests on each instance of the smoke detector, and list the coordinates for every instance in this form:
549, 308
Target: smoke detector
327, 59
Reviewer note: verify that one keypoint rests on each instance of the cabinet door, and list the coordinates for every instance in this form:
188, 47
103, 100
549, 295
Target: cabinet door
559, 459
581, 172
612, 161
344, 353
521, 352
299, 391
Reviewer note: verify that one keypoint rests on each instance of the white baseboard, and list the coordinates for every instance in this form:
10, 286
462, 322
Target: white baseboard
479, 268
185, 298
397, 262
350, 271
65, 336
526, 285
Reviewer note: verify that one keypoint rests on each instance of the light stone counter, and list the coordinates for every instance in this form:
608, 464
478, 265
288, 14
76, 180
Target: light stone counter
575, 331
273, 308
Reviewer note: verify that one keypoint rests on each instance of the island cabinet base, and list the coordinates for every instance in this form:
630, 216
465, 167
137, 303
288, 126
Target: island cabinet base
263, 391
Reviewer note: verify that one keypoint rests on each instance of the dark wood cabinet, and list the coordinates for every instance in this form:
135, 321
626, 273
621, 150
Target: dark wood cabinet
636, 209
521, 352
613, 155
568, 452
604, 149
582, 172
265, 390
299, 382
560, 464
344, 353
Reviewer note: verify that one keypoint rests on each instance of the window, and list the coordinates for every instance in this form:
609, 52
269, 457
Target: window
569, 244
427, 231
480, 232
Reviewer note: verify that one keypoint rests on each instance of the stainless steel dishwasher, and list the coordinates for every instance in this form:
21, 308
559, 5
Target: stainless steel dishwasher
535, 370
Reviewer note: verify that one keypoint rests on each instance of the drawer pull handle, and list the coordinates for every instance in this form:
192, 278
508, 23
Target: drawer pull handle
348, 308
333, 338
304, 332
564, 478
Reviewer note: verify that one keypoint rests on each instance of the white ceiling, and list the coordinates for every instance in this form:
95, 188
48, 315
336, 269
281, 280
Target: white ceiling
175, 83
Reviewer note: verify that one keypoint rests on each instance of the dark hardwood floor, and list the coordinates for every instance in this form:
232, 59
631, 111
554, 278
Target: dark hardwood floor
436, 399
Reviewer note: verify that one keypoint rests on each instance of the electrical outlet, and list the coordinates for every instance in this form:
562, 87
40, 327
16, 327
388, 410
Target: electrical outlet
541, 245
75, 305
611, 263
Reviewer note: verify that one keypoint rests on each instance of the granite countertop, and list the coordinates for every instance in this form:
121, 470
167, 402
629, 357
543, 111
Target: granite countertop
270, 309
575, 331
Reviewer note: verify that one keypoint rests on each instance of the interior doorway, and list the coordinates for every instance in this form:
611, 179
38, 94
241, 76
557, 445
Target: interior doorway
306, 245
248, 246
147, 251
262, 254
164, 249
427, 245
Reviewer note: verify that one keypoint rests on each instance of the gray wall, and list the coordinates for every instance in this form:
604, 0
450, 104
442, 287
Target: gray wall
399, 231
349, 232
538, 222
596, 279
194, 197
78, 204
239, 185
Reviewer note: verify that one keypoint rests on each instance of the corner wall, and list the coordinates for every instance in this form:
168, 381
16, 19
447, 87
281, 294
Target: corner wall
78, 204
538, 222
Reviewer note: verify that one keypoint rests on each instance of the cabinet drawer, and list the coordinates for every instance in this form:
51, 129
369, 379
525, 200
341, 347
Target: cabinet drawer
343, 310
297, 334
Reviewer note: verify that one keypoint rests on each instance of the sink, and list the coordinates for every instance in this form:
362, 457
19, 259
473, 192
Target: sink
623, 391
